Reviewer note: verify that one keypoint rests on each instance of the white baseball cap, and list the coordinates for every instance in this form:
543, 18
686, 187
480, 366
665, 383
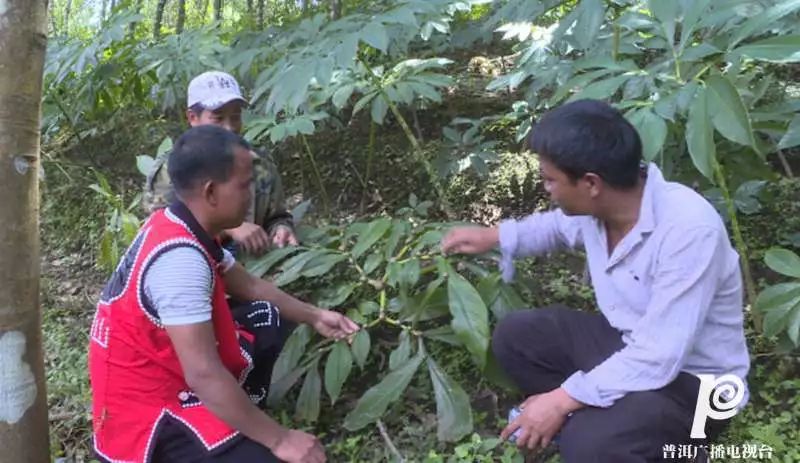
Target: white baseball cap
212, 90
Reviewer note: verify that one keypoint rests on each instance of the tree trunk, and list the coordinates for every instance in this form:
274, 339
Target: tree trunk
336, 9
261, 14
103, 10
217, 10
181, 16
159, 17
250, 8
23, 398
304, 6
67, 12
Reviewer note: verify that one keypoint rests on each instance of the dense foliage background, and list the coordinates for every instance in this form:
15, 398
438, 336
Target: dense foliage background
391, 120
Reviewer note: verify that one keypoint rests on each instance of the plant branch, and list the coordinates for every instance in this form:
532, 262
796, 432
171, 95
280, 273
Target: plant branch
389, 442
741, 246
786, 167
323, 192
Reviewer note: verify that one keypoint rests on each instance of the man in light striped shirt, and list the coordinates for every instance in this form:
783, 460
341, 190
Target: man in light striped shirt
619, 385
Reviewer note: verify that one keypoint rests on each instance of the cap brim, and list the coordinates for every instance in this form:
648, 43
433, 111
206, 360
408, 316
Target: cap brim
217, 103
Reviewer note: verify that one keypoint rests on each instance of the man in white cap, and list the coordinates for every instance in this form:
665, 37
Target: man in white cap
214, 98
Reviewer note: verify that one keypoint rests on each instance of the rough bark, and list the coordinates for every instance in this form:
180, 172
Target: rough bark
261, 14
336, 9
181, 16
23, 399
217, 10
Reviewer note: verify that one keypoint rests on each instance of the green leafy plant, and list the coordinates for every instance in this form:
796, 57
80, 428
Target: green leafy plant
390, 278
780, 303
121, 223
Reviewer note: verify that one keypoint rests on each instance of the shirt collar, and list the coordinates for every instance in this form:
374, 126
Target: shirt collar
182, 212
653, 183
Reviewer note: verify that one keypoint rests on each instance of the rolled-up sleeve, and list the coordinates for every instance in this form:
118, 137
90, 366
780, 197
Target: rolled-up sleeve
688, 267
536, 234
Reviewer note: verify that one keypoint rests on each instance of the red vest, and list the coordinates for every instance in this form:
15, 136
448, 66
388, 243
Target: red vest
136, 378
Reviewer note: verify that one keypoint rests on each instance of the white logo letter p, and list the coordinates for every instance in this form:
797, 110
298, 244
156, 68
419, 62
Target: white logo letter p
725, 393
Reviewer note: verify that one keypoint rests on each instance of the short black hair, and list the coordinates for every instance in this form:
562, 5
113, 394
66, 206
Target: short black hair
589, 136
202, 153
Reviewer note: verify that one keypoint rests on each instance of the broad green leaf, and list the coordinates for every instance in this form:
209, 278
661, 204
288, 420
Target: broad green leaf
410, 272
792, 136
729, 114
780, 304
309, 398
337, 369
374, 34
373, 403
782, 49
700, 135
346, 51
360, 347
489, 288
333, 297
378, 109
665, 13
368, 307
425, 91
601, 89
342, 95
443, 334
291, 353
399, 228
322, 264
260, 266
401, 353
292, 268
304, 126
691, 18
762, 22
373, 233
164, 147
453, 411
783, 261
589, 21
652, 130
470, 316
508, 300
373, 261
699, 51
279, 388
144, 164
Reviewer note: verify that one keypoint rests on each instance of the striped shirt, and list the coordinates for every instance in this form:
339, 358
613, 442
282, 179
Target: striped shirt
179, 285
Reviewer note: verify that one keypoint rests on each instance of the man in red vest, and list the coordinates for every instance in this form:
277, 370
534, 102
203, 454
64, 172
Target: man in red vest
171, 365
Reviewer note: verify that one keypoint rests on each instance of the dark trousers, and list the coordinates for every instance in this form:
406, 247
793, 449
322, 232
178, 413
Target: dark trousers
541, 348
175, 443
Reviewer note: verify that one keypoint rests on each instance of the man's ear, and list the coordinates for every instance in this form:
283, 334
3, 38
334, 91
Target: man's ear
594, 184
191, 117
210, 192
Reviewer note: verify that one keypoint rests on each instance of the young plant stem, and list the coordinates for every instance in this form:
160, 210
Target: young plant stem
368, 169
415, 145
317, 175
741, 246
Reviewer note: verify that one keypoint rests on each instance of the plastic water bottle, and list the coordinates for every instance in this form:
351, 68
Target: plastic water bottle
512, 415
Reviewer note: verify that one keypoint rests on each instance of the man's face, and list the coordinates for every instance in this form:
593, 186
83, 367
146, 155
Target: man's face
229, 117
573, 197
233, 197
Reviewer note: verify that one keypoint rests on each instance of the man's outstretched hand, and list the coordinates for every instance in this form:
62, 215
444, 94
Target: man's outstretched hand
470, 240
333, 325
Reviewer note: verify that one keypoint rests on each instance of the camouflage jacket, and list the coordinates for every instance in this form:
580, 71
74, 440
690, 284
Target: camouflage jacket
268, 208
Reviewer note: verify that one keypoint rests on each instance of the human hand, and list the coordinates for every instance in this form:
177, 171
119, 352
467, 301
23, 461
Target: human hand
470, 240
299, 447
283, 236
251, 237
542, 417
333, 324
